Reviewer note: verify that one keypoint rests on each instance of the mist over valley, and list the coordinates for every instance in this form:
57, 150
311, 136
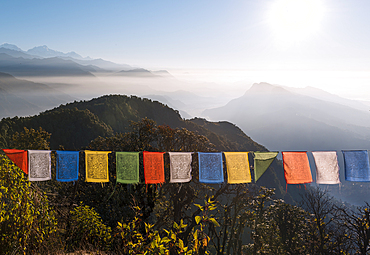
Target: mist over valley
277, 117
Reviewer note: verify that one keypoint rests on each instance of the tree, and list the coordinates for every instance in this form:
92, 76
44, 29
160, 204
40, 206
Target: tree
288, 226
27, 221
31, 139
327, 234
357, 225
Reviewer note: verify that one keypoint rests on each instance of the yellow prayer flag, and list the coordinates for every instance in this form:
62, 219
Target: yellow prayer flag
97, 166
238, 170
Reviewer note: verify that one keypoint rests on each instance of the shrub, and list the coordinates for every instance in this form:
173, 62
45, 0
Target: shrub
87, 229
26, 220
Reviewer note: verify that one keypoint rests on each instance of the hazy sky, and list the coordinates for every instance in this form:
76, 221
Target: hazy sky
322, 43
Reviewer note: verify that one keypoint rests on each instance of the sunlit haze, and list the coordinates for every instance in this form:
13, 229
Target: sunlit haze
318, 43
295, 20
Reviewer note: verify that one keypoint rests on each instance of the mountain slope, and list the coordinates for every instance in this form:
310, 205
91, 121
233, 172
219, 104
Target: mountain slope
326, 96
10, 47
16, 53
282, 120
70, 128
101, 63
137, 72
117, 111
22, 97
45, 52
41, 67
12, 105
74, 125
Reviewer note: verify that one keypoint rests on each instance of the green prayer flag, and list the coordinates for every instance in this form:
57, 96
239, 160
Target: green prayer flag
127, 167
262, 161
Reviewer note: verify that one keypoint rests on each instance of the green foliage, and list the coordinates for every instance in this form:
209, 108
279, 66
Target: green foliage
31, 139
26, 220
87, 229
147, 135
276, 227
285, 229
200, 238
169, 222
71, 128
119, 110
133, 241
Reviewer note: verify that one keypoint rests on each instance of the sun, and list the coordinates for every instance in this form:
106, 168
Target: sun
295, 20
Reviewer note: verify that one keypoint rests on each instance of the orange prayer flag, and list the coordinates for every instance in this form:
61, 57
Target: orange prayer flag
19, 157
153, 167
296, 167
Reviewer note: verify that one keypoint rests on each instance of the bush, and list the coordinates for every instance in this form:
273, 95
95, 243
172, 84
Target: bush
87, 230
26, 220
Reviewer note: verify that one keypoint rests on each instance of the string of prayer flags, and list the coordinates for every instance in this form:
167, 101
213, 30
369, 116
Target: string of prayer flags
296, 167
127, 167
327, 169
97, 166
153, 167
39, 165
180, 166
19, 157
210, 167
262, 161
356, 166
238, 170
67, 163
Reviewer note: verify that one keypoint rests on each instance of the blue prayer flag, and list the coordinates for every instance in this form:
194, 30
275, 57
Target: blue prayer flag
356, 166
67, 166
210, 167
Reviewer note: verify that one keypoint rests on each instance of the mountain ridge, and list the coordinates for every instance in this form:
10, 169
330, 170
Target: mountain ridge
278, 105
23, 97
45, 52
41, 67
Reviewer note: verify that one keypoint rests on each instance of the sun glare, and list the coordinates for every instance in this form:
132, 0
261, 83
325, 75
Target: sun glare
295, 20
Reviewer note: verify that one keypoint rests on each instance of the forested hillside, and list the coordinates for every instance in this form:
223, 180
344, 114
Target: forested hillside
171, 218
73, 126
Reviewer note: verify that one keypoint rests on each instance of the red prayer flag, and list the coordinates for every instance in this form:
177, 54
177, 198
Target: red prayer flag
153, 167
19, 157
296, 167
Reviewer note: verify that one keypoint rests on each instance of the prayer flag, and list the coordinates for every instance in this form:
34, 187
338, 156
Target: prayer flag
39, 165
97, 166
180, 166
327, 169
262, 161
67, 166
238, 170
210, 167
127, 167
19, 157
153, 167
296, 167
356, 165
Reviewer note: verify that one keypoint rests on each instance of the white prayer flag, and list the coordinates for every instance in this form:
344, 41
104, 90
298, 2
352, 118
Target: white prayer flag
327, 169
180, 166
39, 165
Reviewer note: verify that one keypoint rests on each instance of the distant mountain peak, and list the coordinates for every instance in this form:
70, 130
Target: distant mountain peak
137, 72
264, 87
10, 47
45, 52
42, 47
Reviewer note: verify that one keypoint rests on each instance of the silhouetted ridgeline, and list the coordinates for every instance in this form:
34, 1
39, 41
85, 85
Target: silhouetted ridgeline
74, 125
